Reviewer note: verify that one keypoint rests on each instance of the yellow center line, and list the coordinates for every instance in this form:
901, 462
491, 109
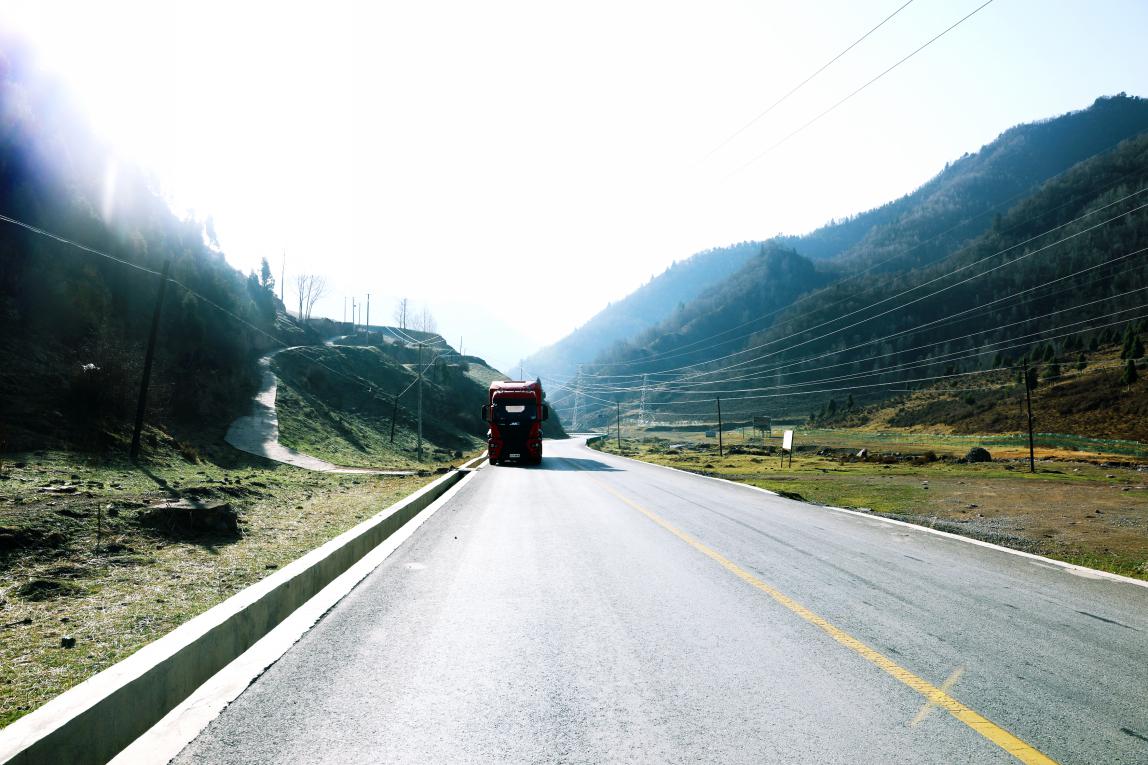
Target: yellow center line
934, 696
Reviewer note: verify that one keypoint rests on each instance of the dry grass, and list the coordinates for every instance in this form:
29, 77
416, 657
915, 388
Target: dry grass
143, 582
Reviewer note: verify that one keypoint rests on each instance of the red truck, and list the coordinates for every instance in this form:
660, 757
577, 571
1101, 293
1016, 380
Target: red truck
514, 412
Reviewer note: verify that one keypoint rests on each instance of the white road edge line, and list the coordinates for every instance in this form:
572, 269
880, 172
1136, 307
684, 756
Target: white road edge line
1072, 568
179, 727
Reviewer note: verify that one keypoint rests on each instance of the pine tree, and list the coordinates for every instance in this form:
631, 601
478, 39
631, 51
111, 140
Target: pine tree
1081, 362
1129, 375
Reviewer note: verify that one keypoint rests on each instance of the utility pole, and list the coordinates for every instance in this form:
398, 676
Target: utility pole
618, 409
283, 275
148, 358
577, 396
419, 450
394, 414
720, 449
521, 374
344, 312
1028, 402
368, 317
642, 406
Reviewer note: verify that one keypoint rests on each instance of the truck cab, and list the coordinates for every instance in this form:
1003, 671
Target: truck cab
514, 414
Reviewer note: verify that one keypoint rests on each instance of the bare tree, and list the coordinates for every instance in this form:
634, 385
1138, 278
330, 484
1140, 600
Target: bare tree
402, 308
425, 322
309, 289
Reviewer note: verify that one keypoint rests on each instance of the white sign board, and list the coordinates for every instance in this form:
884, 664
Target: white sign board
787, 441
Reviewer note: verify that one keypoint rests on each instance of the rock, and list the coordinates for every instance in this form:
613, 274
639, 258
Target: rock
67, 642
978, 454
191, 516
65, 489
39, 590
863, 454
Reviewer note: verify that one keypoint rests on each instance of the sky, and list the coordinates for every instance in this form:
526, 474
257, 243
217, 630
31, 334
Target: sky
516, 166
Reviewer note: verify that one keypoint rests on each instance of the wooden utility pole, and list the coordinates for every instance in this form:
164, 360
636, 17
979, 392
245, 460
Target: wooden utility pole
618, 410
419, 449
149, 357
394, 414
720, 448
1028, 402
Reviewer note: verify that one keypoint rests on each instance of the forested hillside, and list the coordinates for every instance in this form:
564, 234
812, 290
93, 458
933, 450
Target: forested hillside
84, 240
74, 322
964, 201
706, 327
1056, 276
640, 310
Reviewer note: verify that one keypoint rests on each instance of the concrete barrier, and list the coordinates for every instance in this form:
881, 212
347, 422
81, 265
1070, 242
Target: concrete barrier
92, 722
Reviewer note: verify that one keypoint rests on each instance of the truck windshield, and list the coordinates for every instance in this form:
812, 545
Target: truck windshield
506, 412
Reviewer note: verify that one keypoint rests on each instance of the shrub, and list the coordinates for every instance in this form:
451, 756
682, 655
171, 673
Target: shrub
978, 454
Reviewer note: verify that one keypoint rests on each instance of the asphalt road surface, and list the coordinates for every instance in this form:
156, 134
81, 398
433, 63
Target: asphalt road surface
594, 609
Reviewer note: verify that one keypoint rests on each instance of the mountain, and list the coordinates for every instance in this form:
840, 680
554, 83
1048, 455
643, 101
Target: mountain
678, 284
882, 288
959, 203
966, 199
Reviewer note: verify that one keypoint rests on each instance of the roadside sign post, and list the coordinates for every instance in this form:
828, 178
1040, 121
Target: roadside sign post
787, 446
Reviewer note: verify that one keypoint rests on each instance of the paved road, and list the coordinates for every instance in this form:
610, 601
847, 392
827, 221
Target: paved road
258, 432
596, 609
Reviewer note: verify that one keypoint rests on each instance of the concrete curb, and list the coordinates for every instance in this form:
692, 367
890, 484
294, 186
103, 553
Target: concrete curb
93, 721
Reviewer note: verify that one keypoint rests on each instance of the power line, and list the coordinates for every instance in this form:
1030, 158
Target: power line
666, 386
802, 84
681, 350
371, 387
950, 357
704, 373
858, 90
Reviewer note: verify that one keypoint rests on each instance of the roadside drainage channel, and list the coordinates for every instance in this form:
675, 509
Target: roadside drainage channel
98, 718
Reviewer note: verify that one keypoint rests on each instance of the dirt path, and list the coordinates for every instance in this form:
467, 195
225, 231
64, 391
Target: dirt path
258, 432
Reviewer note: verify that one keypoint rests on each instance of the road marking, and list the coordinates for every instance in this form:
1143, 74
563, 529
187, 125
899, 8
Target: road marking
1019, 749
876, 520
928, 706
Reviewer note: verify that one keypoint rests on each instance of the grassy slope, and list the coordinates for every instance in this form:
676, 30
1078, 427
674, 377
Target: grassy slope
143, 582
1088, 404
348, 421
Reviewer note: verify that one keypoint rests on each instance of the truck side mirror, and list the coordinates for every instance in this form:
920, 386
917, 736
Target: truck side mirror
486, 413
545, 412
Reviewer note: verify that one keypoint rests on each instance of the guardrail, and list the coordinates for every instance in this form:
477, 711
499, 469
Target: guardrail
92, 722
